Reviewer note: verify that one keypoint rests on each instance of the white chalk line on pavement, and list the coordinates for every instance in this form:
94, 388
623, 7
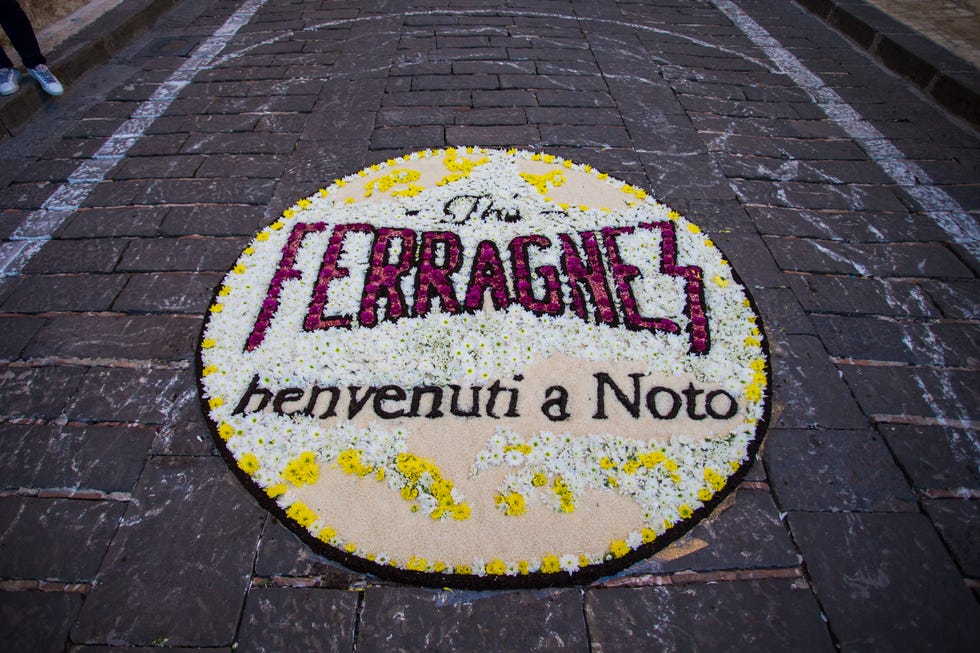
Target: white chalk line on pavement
945, 211
39, 226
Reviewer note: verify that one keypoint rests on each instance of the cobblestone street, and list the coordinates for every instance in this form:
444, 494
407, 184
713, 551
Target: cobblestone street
843, 195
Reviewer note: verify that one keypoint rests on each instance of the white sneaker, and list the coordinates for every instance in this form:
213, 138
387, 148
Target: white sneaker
9, 81
46, 79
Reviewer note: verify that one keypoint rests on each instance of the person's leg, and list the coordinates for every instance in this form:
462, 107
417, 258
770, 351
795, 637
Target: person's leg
20, 32
5, 61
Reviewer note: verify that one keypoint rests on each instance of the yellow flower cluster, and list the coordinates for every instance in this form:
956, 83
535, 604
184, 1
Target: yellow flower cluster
225, 431
276, 490
513, 503
248, 463
619, 548
715, 480
547, 158
301, 514
638, 193
564, 494
753, 392
350, 463
459, 167
302, 470
417, 564
423, 475
540, 182
550, 564
496, 567
649, 460
401, 176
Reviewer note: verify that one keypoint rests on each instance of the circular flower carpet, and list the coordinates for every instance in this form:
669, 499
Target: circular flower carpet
483, 368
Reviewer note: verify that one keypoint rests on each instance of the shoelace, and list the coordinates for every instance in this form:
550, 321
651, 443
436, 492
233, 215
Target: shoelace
44, 74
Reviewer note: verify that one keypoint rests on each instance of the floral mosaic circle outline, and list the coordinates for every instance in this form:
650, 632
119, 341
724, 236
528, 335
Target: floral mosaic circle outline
490, 576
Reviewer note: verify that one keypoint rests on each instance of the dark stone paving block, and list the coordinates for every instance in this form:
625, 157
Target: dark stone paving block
870, 260
108, 223
781, 314
685, 177
91, 457
142, 337
747, 534
242, 165
168, 292
191, 254
185, 433
88, 255
492, 67
299, 620
934, 343
417, 619
346, 125
750, 257
764, 615
76, 292
281, 553
835, 470
554, 81
585, 135
563, 98
128, 395
443, 99
956, 299
922, 391
211, 220
122, 193
715, 216
809, 391
163, 648
413, 116
525, 135
886, 583
843, 197
839, 294
163, 144
28, 196
958, 523
321, 163
10, 219
37, 391
37, 621
202, 191
491, 117
180, 564
158, 167
937, 457
17, 332
619, 162
277, 123
243, 143
408, 137
452, 82
835, 171
55, 539
573, 116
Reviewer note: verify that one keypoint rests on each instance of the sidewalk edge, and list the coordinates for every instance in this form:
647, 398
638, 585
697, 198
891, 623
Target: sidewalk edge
948, 79
90, 47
